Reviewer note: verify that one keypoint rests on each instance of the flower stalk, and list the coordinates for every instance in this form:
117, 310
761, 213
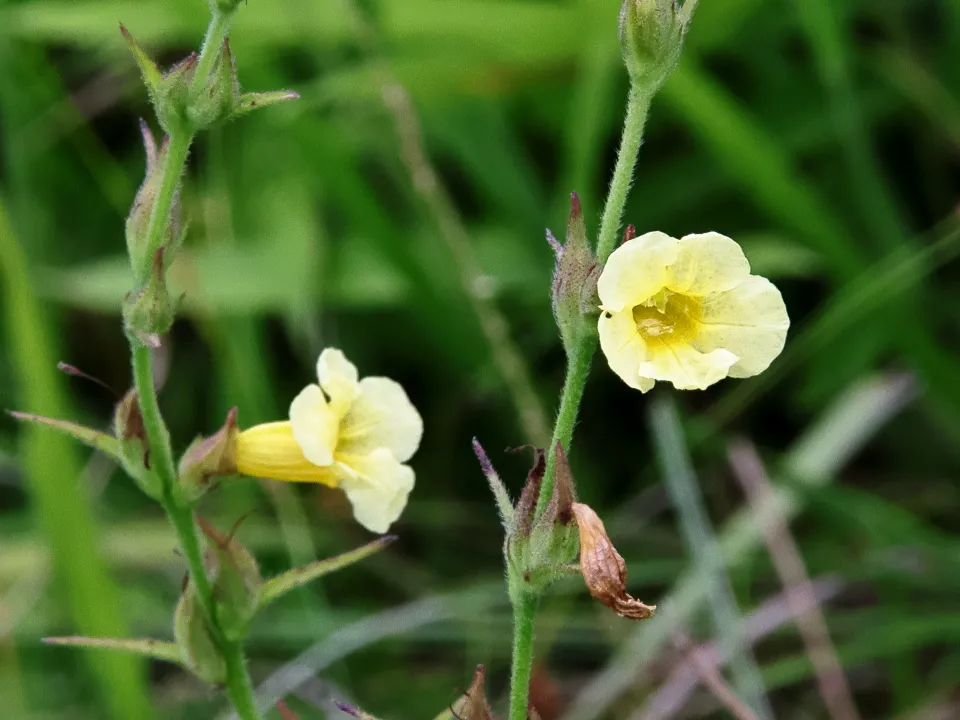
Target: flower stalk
643, 87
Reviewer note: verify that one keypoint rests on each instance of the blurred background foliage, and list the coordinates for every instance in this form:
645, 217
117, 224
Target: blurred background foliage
822, 134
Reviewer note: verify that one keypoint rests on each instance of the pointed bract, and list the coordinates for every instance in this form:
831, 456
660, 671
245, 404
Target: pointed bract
145, 647
92, 438
148, 68
500, 493
292, 579
254, 101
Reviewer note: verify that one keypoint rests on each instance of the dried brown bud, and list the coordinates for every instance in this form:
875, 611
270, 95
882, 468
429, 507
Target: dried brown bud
604, 570
473, 705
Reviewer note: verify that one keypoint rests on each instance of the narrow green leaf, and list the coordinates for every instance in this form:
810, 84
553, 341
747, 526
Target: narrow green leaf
292, 579
147, 647
88, 436
148, 68
254, 101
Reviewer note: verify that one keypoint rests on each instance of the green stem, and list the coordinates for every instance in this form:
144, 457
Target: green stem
578, 369
239, 687
581, 356
171, 170
210, 50
524, 615
638, 105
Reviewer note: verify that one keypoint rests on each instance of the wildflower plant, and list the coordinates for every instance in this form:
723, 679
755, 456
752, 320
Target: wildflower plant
685, 311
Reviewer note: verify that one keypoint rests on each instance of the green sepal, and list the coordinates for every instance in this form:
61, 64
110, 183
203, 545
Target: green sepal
149, 313
249, 102
145, 647
131, 434
292, 579
198, 651
172, 97
236, 581
148, 68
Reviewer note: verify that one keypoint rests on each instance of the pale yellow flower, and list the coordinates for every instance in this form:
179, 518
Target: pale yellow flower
687, 311
344, 432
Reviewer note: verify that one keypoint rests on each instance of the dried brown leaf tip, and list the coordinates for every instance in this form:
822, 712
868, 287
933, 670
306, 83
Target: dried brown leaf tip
473, 705
604, 570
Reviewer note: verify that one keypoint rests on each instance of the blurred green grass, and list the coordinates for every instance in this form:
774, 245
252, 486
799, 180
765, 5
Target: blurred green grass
824, 135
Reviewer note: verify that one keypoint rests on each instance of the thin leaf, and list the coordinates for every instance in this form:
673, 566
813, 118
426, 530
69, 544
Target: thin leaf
148, 68
147, 647
93, 438
254, 101
292, 579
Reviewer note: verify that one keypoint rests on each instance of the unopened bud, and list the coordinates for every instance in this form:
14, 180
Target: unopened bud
209, 458
651, 37
214, 103
538, 550
134, 448
604, 571
138, 221
236, 581
473, 705
172, 97
574, 280
198, 650
149, 312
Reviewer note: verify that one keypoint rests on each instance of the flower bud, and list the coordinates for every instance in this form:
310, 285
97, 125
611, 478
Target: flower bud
134, 449
172, 96
473, 705
138, 222
236, 581
538, 550
214, 103
651, 37
604, 571
198, 650
208, 458
574, 280
149, 313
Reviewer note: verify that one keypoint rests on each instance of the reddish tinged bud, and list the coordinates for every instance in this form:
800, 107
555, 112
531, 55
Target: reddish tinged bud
473, 704
630, 233
574, 280
209, 458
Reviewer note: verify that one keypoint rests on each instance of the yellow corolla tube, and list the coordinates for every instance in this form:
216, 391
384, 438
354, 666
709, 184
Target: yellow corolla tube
687, 312
344, 432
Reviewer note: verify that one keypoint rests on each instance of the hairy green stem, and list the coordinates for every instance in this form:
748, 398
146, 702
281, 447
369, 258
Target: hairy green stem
180, 514
578, 369
638, 105
174, 160
239, 686
524, 615
210, 50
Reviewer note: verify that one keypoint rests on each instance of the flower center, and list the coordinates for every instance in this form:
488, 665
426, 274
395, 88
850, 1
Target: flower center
668, 316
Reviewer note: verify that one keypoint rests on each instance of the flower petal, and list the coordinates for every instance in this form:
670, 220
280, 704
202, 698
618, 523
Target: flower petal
377, 486
338, 378
750, 320
636, 270
707, 263
623, 347
686, 367
271, 451
382, 416
315, 425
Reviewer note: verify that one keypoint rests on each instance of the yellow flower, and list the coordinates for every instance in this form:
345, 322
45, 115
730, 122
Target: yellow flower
687, 311
344, 432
